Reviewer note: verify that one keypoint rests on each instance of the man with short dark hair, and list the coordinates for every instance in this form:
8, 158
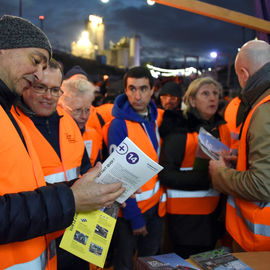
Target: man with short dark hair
57, 141
140, 225
28, 208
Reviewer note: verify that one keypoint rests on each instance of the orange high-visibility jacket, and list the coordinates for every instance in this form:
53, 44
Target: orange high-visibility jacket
93, 121
160, 116
200, 202
71, 148
18, 164
105, 111
152, 193
248, 222
230, 116
93, 144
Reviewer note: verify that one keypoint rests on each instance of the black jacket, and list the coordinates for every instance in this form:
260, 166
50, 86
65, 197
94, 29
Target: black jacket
42, 211
173, 131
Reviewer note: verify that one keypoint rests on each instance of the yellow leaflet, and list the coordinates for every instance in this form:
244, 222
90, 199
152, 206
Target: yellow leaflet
89, 236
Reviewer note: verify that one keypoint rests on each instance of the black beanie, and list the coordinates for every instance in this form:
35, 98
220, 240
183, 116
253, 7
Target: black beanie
16, 32
171, 88
75, 70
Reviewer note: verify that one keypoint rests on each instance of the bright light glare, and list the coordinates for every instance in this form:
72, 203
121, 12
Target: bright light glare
95, 20
150, 2
213, 54
105, 1
156, 71
84, 39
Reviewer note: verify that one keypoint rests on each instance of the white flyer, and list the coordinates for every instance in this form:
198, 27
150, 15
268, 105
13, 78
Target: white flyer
210, 145
129, 165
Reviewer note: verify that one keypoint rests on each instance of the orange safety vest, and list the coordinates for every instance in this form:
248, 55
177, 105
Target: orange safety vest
248, 222
105, 129
71, 148
105, 111
152, 193
93, 144
93, 121
200, 202
107, 125
230, 116
57, 170
153, 185
160, 116
21, 171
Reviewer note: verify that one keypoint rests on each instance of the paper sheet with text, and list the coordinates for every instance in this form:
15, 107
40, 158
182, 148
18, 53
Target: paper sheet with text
90, 234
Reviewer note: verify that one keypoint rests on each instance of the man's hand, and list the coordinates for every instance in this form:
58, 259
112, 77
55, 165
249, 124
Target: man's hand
90, 195
141, 231
215, 164
230, 160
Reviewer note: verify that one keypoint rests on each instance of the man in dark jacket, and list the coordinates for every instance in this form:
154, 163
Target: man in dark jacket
28, 208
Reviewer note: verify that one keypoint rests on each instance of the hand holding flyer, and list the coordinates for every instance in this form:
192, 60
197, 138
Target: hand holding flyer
90, 234
210, 145
129, 165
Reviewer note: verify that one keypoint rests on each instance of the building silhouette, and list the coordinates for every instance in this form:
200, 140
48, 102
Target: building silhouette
123, 54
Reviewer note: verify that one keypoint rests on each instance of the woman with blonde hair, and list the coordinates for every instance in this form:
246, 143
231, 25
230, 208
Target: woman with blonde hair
192, 205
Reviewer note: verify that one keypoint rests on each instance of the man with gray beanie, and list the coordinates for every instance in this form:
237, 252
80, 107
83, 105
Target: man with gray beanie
28, 208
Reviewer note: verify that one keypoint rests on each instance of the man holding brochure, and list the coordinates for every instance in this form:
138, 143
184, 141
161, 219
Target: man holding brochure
248, 207
28, 208
139, 225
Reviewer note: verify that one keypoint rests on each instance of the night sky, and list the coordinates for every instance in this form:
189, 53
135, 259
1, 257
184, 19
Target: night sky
167, 34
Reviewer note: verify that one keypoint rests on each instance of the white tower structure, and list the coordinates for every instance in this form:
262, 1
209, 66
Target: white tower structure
96, 28
134, 51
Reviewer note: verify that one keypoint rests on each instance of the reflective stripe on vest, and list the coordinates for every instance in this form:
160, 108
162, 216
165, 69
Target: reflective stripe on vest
186, 169
146, 195
38, 263
60, 177
259, 229
248, 222
162, 204
19, 164
174, 193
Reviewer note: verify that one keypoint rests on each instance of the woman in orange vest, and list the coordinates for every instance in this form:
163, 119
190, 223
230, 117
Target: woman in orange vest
192, 205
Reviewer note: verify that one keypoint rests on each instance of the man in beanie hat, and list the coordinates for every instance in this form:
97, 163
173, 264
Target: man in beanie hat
170, 96
75, 73
28, 208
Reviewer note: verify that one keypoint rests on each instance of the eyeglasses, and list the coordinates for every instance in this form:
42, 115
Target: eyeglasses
42, 89
78, 112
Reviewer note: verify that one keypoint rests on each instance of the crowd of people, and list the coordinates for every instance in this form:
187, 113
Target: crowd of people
54, 139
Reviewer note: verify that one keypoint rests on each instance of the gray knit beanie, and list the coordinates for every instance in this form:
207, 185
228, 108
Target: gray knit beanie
16, 32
